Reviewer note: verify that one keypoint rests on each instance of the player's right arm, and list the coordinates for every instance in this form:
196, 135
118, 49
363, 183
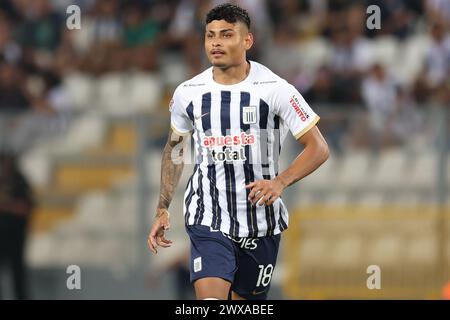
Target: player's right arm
171, 169
171, 165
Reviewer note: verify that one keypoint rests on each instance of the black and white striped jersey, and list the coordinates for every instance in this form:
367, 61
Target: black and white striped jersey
237, 131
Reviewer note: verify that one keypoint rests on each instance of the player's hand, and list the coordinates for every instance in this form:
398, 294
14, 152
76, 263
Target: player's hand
265, 192
156, 236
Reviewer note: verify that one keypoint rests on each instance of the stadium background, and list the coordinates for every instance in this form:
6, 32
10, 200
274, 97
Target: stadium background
86, 114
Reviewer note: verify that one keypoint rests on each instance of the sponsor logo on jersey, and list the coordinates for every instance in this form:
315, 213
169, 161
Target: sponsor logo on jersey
298, 109
201, 116
228, 155
230, 142
241, 139
265, 82
194, 84
244, 243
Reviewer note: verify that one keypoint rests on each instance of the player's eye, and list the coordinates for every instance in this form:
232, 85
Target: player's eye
227, 35
209, 35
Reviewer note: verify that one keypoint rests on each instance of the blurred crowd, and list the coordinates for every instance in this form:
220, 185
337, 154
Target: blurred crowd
38, 51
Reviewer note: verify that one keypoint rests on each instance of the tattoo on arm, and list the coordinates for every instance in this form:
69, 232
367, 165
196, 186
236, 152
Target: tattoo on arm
171, 169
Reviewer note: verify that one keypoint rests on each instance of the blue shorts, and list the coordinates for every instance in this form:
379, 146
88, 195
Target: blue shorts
247, 263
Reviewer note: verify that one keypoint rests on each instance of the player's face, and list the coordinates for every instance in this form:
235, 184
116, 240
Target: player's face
226, 43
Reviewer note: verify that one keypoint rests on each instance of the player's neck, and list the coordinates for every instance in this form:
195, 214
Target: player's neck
231, 75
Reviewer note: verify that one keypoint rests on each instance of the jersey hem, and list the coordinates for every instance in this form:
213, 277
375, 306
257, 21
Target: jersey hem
260, 234
178, 132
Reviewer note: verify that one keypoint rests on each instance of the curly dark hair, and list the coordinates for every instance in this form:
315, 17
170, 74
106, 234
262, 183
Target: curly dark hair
230, 13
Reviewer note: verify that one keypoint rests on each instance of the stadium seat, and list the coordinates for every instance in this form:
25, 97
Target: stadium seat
74, 249
338, 198
323, 178
354, 170
390, 170
94, 209
423, 175
86, 131
112, 92
100, 234
125, 210
406, 199
153, 163
173, 70
304, 198
421, 249
144, 92
80, 88
346, 251
372, 198
314, 251
105, 250
385, 249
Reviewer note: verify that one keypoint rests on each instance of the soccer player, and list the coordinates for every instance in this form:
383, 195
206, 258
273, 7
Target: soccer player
239, 113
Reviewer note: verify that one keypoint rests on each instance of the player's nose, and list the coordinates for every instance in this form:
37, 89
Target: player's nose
216, 43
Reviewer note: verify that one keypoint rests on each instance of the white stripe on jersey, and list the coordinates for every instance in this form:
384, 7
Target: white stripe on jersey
216, 195
241, 198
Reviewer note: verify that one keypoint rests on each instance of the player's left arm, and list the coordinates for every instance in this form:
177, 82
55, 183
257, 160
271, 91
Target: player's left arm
315, 153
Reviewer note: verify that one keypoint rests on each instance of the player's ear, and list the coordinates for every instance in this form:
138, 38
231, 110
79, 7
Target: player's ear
249, 41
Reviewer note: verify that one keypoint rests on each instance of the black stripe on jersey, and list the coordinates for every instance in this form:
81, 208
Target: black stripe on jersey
281, 222
233, 198
230, 181
200, 204
225, 113
188, 199
275, 145
263, 122
190, 112
248, 170
206, 113
276, 142
264, 136
213, 191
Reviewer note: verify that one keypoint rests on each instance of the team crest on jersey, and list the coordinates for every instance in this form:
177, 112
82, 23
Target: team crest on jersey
249, 115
